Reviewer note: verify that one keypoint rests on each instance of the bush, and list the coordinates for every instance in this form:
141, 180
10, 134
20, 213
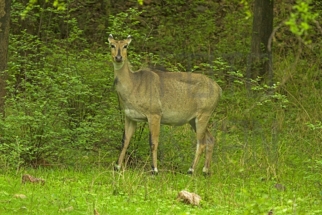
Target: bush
57, 101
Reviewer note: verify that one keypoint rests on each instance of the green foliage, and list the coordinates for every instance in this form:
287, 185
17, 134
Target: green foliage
125, 23
248, 12
58, 5
315, 126
57, 101
301, 19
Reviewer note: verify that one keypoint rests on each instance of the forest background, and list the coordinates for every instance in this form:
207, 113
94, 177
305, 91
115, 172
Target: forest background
61, 110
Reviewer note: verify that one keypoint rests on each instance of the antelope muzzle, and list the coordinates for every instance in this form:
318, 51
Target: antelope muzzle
118, 57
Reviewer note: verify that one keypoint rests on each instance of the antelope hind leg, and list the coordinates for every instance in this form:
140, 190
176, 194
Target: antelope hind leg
200, 148
210, 142
203, 137
201, 129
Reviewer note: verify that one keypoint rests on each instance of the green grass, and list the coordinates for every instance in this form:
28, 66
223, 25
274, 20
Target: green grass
235, 187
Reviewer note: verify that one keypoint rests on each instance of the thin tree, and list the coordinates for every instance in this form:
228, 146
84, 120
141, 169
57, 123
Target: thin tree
260, 57
4, 42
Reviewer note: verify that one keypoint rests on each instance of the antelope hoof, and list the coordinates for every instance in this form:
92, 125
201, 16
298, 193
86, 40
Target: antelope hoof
206, 174
190, 171
205, 171
154, 171
117, 167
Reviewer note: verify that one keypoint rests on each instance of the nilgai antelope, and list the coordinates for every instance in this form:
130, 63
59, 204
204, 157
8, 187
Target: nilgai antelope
158, 97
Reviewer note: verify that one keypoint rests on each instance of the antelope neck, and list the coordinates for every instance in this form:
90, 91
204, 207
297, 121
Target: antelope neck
119, 66
122, 71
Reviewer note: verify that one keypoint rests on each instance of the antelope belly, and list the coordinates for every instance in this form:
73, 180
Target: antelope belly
176, 118
135, 115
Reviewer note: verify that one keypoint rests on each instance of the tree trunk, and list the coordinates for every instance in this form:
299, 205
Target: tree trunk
4, 42
261, 58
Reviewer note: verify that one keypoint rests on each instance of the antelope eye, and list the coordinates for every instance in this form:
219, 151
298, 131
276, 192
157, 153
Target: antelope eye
125, 46
112, 46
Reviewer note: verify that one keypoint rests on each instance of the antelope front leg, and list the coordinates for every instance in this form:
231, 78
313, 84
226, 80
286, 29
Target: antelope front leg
154, 126
128, 133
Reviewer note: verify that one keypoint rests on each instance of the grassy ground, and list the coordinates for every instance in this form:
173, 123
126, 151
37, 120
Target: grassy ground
233, 188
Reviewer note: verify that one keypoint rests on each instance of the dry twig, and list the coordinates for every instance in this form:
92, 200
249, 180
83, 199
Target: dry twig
28, 178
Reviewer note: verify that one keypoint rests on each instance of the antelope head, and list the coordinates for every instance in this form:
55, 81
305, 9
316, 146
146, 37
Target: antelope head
119, 50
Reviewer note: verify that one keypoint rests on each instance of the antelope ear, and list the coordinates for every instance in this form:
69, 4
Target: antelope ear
129, 39
110, 38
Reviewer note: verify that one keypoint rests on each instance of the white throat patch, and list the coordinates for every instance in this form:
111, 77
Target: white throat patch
118, 66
